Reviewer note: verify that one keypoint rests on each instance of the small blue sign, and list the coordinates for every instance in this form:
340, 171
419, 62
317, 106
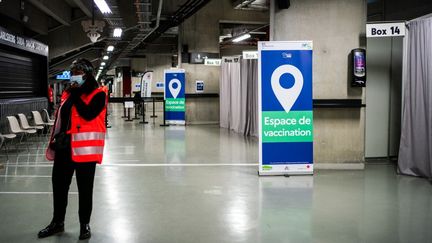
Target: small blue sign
64, 76
159, 85
199, 86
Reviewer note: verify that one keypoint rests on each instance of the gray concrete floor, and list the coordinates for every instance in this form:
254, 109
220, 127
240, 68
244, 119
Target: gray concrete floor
200, 184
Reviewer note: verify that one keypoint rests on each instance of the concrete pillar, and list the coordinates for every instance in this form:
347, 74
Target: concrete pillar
336, 27
127, 81
201, 33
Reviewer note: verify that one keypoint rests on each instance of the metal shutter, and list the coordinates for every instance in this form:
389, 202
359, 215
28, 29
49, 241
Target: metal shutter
20, 76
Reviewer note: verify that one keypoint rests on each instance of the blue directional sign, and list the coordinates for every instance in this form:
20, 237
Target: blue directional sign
64, 76
285, 108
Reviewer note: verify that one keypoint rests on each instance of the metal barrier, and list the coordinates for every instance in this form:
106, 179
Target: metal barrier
137, 101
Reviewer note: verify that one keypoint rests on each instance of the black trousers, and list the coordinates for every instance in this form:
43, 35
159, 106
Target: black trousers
62, 173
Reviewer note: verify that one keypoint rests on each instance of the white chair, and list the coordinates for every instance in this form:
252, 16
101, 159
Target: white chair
49, 120
3, 137
38, 121
25, 125
16, 129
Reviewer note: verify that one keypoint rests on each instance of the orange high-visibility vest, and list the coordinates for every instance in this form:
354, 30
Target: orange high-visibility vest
87, 137
105, 89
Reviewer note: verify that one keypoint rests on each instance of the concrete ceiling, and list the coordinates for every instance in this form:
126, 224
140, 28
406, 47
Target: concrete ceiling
58, 24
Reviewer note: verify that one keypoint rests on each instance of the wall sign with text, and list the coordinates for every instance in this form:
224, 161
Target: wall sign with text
250, 54
385, 29
199, 86
23, 43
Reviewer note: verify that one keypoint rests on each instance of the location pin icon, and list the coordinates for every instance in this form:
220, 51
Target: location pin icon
287, 97
174, 91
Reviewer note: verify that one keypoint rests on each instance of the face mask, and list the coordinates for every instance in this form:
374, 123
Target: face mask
77, 79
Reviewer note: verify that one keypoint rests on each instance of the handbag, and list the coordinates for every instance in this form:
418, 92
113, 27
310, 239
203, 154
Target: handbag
62, 140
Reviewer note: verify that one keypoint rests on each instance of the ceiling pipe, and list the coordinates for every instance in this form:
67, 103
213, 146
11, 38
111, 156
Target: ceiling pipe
53, 64
157, 23
185, 11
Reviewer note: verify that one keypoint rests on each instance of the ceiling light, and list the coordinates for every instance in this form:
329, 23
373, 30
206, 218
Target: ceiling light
117, 32
103, 6
103, 63
110, 48
242, 37
105, 57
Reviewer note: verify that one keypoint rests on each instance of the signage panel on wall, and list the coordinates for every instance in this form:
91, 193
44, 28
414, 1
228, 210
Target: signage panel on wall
199, 86
212, 61
23, 43
64, 76
175, 102
285, 107
159, 85
199, 57
250, 55
385, 29
146, 84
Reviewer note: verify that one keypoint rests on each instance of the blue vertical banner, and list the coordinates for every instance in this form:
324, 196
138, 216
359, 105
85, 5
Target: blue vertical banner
285, 108
174, 95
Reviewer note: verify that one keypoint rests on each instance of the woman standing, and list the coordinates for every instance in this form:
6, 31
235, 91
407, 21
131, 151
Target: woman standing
76, 145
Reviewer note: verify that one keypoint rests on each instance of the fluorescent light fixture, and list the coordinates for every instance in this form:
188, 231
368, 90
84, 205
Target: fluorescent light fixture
117, 32
103, 63
103, 6
100, 68
105, 57
110, 48
242, 37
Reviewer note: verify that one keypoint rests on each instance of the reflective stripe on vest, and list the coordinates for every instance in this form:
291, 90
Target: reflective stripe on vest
88, 150
88, 136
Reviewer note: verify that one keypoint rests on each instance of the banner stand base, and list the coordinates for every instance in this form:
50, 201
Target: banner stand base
264, 173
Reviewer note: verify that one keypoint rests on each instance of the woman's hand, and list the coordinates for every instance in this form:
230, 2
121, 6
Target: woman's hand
74, 85
75, 92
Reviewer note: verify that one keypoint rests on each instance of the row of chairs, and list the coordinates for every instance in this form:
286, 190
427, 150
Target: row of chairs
23, 129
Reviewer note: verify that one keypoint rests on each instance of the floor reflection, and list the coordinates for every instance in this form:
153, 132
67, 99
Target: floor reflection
285, 208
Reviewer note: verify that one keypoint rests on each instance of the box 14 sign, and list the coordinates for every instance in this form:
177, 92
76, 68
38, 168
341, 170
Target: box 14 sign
175, 96
285, 107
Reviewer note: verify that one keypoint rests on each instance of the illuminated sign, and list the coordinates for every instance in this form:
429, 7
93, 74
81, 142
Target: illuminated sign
64, 76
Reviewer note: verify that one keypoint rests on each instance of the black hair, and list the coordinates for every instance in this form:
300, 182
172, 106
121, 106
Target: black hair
82, 64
